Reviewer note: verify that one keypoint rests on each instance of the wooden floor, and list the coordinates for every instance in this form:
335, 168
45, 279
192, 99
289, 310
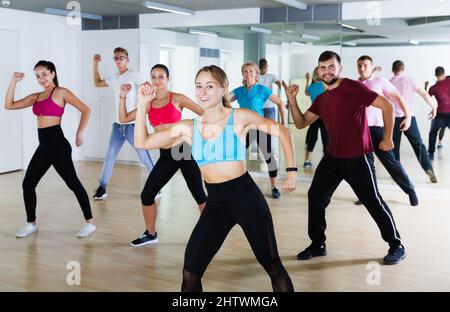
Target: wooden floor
108, 263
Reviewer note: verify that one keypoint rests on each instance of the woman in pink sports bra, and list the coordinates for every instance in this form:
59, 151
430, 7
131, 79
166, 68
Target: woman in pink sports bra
53, 149
163, 111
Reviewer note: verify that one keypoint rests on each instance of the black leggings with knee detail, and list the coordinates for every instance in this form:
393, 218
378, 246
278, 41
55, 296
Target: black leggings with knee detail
237, 201
170, 160
53, 149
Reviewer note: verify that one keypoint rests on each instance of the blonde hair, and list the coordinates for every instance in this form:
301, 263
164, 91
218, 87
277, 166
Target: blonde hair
315, 75
220, 77
252, 65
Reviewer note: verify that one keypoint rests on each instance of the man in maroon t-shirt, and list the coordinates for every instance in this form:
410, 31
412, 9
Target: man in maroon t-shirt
342, 109
441, 91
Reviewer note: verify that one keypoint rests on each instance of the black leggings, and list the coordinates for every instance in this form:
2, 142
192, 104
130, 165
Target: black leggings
166, 167
237, 201
53, 149
264, 142
312, 135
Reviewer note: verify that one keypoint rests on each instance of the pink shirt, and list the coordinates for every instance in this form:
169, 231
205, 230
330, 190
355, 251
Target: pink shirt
383, 87
407, 87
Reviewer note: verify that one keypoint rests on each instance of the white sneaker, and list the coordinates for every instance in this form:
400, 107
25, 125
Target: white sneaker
27, 229
87, 230
158, 196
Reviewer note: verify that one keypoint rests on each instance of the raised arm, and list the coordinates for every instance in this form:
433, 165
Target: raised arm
71, 99
98, 81
388, 119
9, 98
251, 120
125, 117
275, 99
300, 120
307, 84
186, 102
427, 98
178, 132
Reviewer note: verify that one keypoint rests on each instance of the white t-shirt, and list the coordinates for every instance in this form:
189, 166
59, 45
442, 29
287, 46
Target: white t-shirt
268, 80
129, 77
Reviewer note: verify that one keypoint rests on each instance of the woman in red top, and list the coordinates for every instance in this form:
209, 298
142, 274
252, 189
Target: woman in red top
163, 111
54, 149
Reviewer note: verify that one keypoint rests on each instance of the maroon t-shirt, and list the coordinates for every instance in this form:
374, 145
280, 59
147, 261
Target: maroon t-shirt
441, 90
343, 111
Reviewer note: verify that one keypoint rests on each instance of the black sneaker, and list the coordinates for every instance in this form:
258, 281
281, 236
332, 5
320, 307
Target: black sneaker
413, 200
275, 193
100, 194
358, 203
431, 175
395, 255
312, 251
145, 239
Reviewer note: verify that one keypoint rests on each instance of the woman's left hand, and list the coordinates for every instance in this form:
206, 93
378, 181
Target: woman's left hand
79, 139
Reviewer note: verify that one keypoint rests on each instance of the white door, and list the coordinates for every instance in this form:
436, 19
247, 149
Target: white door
10, 121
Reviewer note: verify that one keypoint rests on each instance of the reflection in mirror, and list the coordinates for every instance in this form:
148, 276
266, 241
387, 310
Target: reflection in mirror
406, 52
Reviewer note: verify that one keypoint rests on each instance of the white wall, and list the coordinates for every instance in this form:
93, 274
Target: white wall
185, 57
50, 38
101, 100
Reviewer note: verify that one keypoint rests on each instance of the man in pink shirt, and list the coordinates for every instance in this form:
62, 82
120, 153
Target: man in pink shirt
407, 88
376, 125
348, 157
441, 91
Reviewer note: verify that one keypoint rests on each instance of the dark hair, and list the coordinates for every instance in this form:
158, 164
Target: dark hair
262, 62
364, 58
51, 67
439, 71
328, 55
220, 77
163, 67
121, 50
398, 66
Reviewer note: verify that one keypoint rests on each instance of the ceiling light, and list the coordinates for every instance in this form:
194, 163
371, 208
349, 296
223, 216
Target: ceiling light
62, 12
312, 37
294, 3
298, 43
349, 43
414, 42
202, 32
261, 30
349, 26
168, 8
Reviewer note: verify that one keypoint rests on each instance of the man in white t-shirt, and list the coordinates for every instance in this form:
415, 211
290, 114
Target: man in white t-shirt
270, 109
267, 79
120, 132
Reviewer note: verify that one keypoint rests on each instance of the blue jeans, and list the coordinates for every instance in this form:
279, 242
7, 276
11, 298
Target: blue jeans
119, 134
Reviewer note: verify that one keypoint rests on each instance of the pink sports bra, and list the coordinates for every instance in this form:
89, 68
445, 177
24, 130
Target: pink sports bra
163, 115
47, 107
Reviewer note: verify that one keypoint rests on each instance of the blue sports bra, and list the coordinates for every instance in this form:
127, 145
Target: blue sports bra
226, 147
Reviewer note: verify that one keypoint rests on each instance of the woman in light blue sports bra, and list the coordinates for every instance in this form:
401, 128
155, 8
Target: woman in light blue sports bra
218, 146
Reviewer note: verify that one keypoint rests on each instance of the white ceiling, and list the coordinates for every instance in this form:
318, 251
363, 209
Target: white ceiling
133, 7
